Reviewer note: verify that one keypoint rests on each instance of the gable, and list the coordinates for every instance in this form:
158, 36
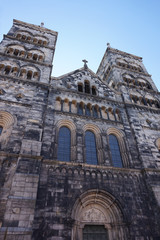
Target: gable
81, 77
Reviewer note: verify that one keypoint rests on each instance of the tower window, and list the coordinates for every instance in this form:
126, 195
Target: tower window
90, 144
64, 144
115, 151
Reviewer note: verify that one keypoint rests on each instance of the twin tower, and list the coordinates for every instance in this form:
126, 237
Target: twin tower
79, 153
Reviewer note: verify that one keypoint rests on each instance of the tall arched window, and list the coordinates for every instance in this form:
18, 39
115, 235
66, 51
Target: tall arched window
64, 144
90, 144
115, 151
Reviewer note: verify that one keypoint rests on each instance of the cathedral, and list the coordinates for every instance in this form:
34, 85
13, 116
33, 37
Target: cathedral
79, 153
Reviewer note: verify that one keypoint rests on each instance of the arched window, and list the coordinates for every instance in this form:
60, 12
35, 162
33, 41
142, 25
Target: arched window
80, 87
115, 151
93, 90
90, 144
87, 87
1, 129
64, 144
88, 110
29, 74
80, 109
95, 112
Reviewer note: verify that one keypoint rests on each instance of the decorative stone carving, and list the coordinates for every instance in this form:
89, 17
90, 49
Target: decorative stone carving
93, 215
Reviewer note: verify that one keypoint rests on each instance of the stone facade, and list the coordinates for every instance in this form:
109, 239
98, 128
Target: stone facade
43, 197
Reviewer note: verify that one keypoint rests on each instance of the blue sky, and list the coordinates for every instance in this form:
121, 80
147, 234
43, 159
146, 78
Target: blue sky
85, 26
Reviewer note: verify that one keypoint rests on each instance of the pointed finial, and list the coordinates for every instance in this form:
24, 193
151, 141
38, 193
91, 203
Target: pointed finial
108, 45
42, 24
85, 63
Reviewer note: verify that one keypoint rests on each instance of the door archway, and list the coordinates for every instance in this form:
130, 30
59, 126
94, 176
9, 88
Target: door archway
98, 211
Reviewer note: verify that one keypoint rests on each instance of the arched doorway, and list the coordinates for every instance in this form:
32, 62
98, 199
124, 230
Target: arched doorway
97, 213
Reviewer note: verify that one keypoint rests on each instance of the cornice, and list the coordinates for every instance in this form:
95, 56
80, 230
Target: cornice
85, 95
36, 27
24, 81
114, 50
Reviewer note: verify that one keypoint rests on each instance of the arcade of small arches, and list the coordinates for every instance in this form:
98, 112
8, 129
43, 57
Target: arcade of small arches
25, 72
20, 51
87, 110
131, 66
145, 101
92, 145
137, 82
27, 36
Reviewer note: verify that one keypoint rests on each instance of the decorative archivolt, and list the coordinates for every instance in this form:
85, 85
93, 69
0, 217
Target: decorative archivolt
158, 143
6, 123
20, 51
28, 36
66, 123
98, 207
92, 127
6, 119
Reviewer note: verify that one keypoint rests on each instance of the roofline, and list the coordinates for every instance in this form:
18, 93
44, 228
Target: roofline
36, 27
114, 50
79, 69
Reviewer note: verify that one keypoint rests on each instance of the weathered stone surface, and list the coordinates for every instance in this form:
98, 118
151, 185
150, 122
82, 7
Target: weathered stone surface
44, 198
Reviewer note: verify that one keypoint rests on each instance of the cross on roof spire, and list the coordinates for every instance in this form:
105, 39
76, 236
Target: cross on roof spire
85, 63
42, 24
